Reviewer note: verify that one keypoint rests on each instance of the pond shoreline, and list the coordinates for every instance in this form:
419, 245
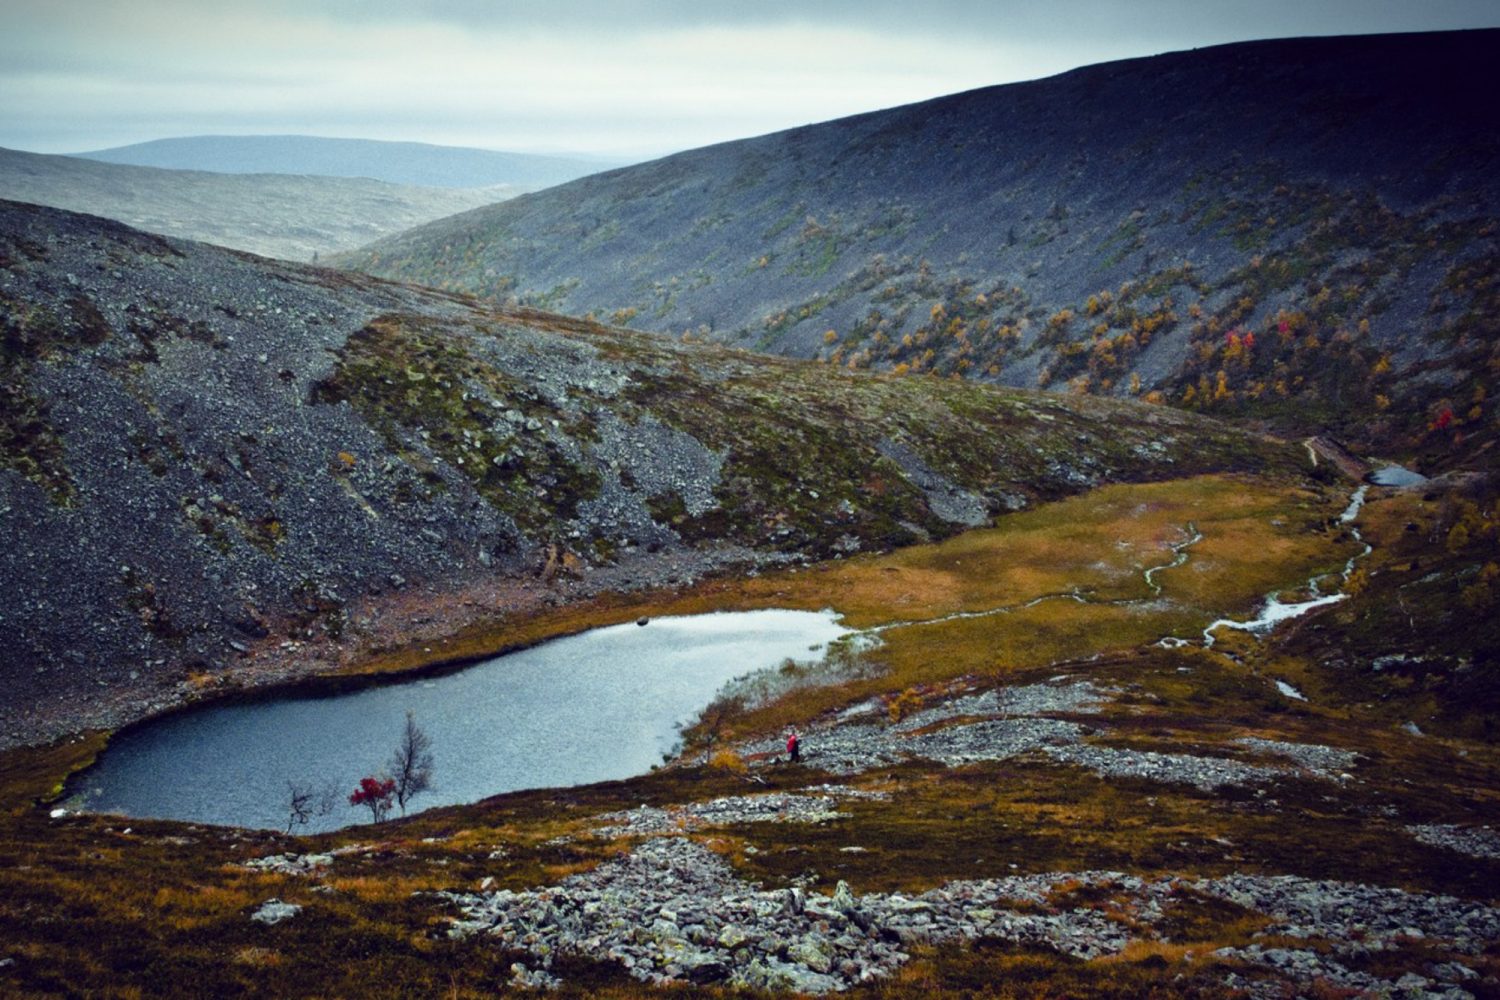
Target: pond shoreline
459, 619
470, 634
607, 704
430, 631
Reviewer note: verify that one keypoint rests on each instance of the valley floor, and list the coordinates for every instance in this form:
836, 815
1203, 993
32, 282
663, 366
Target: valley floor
1032, 774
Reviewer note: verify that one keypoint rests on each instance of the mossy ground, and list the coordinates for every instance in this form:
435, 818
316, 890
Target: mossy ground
31, 335
95, 905
1419, 641
806, 453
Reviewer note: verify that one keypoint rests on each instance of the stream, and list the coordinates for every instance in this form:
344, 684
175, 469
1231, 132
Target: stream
605, 704
1275, 610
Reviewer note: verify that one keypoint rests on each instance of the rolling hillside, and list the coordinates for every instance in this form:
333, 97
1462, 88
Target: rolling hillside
1300, 231
209, 457
276, 215
1064, 751
1129, 701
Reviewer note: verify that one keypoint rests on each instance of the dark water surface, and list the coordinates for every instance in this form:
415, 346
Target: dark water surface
601, 705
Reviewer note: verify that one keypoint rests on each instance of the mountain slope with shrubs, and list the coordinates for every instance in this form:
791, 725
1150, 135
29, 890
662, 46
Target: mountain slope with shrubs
219, 469
1300, 231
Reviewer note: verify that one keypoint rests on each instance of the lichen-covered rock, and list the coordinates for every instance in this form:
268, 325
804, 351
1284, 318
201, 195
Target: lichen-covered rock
274, 911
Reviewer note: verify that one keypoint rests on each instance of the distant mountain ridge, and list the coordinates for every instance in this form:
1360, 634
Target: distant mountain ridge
416, 163
1301, 231
275, 215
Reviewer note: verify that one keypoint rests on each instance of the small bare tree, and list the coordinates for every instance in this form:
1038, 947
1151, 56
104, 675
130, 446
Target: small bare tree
303, 803
411, 764
299, 804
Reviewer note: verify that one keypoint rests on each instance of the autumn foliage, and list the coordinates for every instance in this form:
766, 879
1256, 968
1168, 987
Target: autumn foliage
375, 794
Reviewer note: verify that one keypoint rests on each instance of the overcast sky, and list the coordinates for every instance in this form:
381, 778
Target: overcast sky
628, 78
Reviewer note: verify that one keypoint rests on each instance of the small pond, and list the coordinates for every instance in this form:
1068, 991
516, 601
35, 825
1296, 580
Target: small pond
601, 705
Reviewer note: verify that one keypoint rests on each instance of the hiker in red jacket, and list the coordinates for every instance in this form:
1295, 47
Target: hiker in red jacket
793, 745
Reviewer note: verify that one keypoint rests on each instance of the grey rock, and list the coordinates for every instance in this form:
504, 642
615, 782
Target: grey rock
292, 864
274, 911
843, 898
764, 943
1478, 842
813, 952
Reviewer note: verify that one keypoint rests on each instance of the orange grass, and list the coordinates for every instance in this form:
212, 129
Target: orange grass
1099, 543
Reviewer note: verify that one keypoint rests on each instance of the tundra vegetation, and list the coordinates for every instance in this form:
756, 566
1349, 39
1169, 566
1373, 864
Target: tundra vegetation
303, 474
97, 903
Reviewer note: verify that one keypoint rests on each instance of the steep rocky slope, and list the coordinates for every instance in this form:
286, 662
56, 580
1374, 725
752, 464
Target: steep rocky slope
1302, 231
211, 458
278, 215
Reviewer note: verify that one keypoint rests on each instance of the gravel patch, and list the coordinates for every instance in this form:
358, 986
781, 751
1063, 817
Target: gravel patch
1365, 916
1014, 721
1321, 760
1306, 967
1477, 842
1028, 700
674, 911
1352, 922
1206, 773
771, 807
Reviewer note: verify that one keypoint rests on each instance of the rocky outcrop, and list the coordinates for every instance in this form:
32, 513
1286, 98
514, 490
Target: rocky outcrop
274, 911
673, 911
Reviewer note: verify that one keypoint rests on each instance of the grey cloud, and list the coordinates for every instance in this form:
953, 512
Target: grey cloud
586, 73
1165, 21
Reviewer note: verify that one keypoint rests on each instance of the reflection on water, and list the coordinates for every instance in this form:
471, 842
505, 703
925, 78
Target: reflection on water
602, 705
